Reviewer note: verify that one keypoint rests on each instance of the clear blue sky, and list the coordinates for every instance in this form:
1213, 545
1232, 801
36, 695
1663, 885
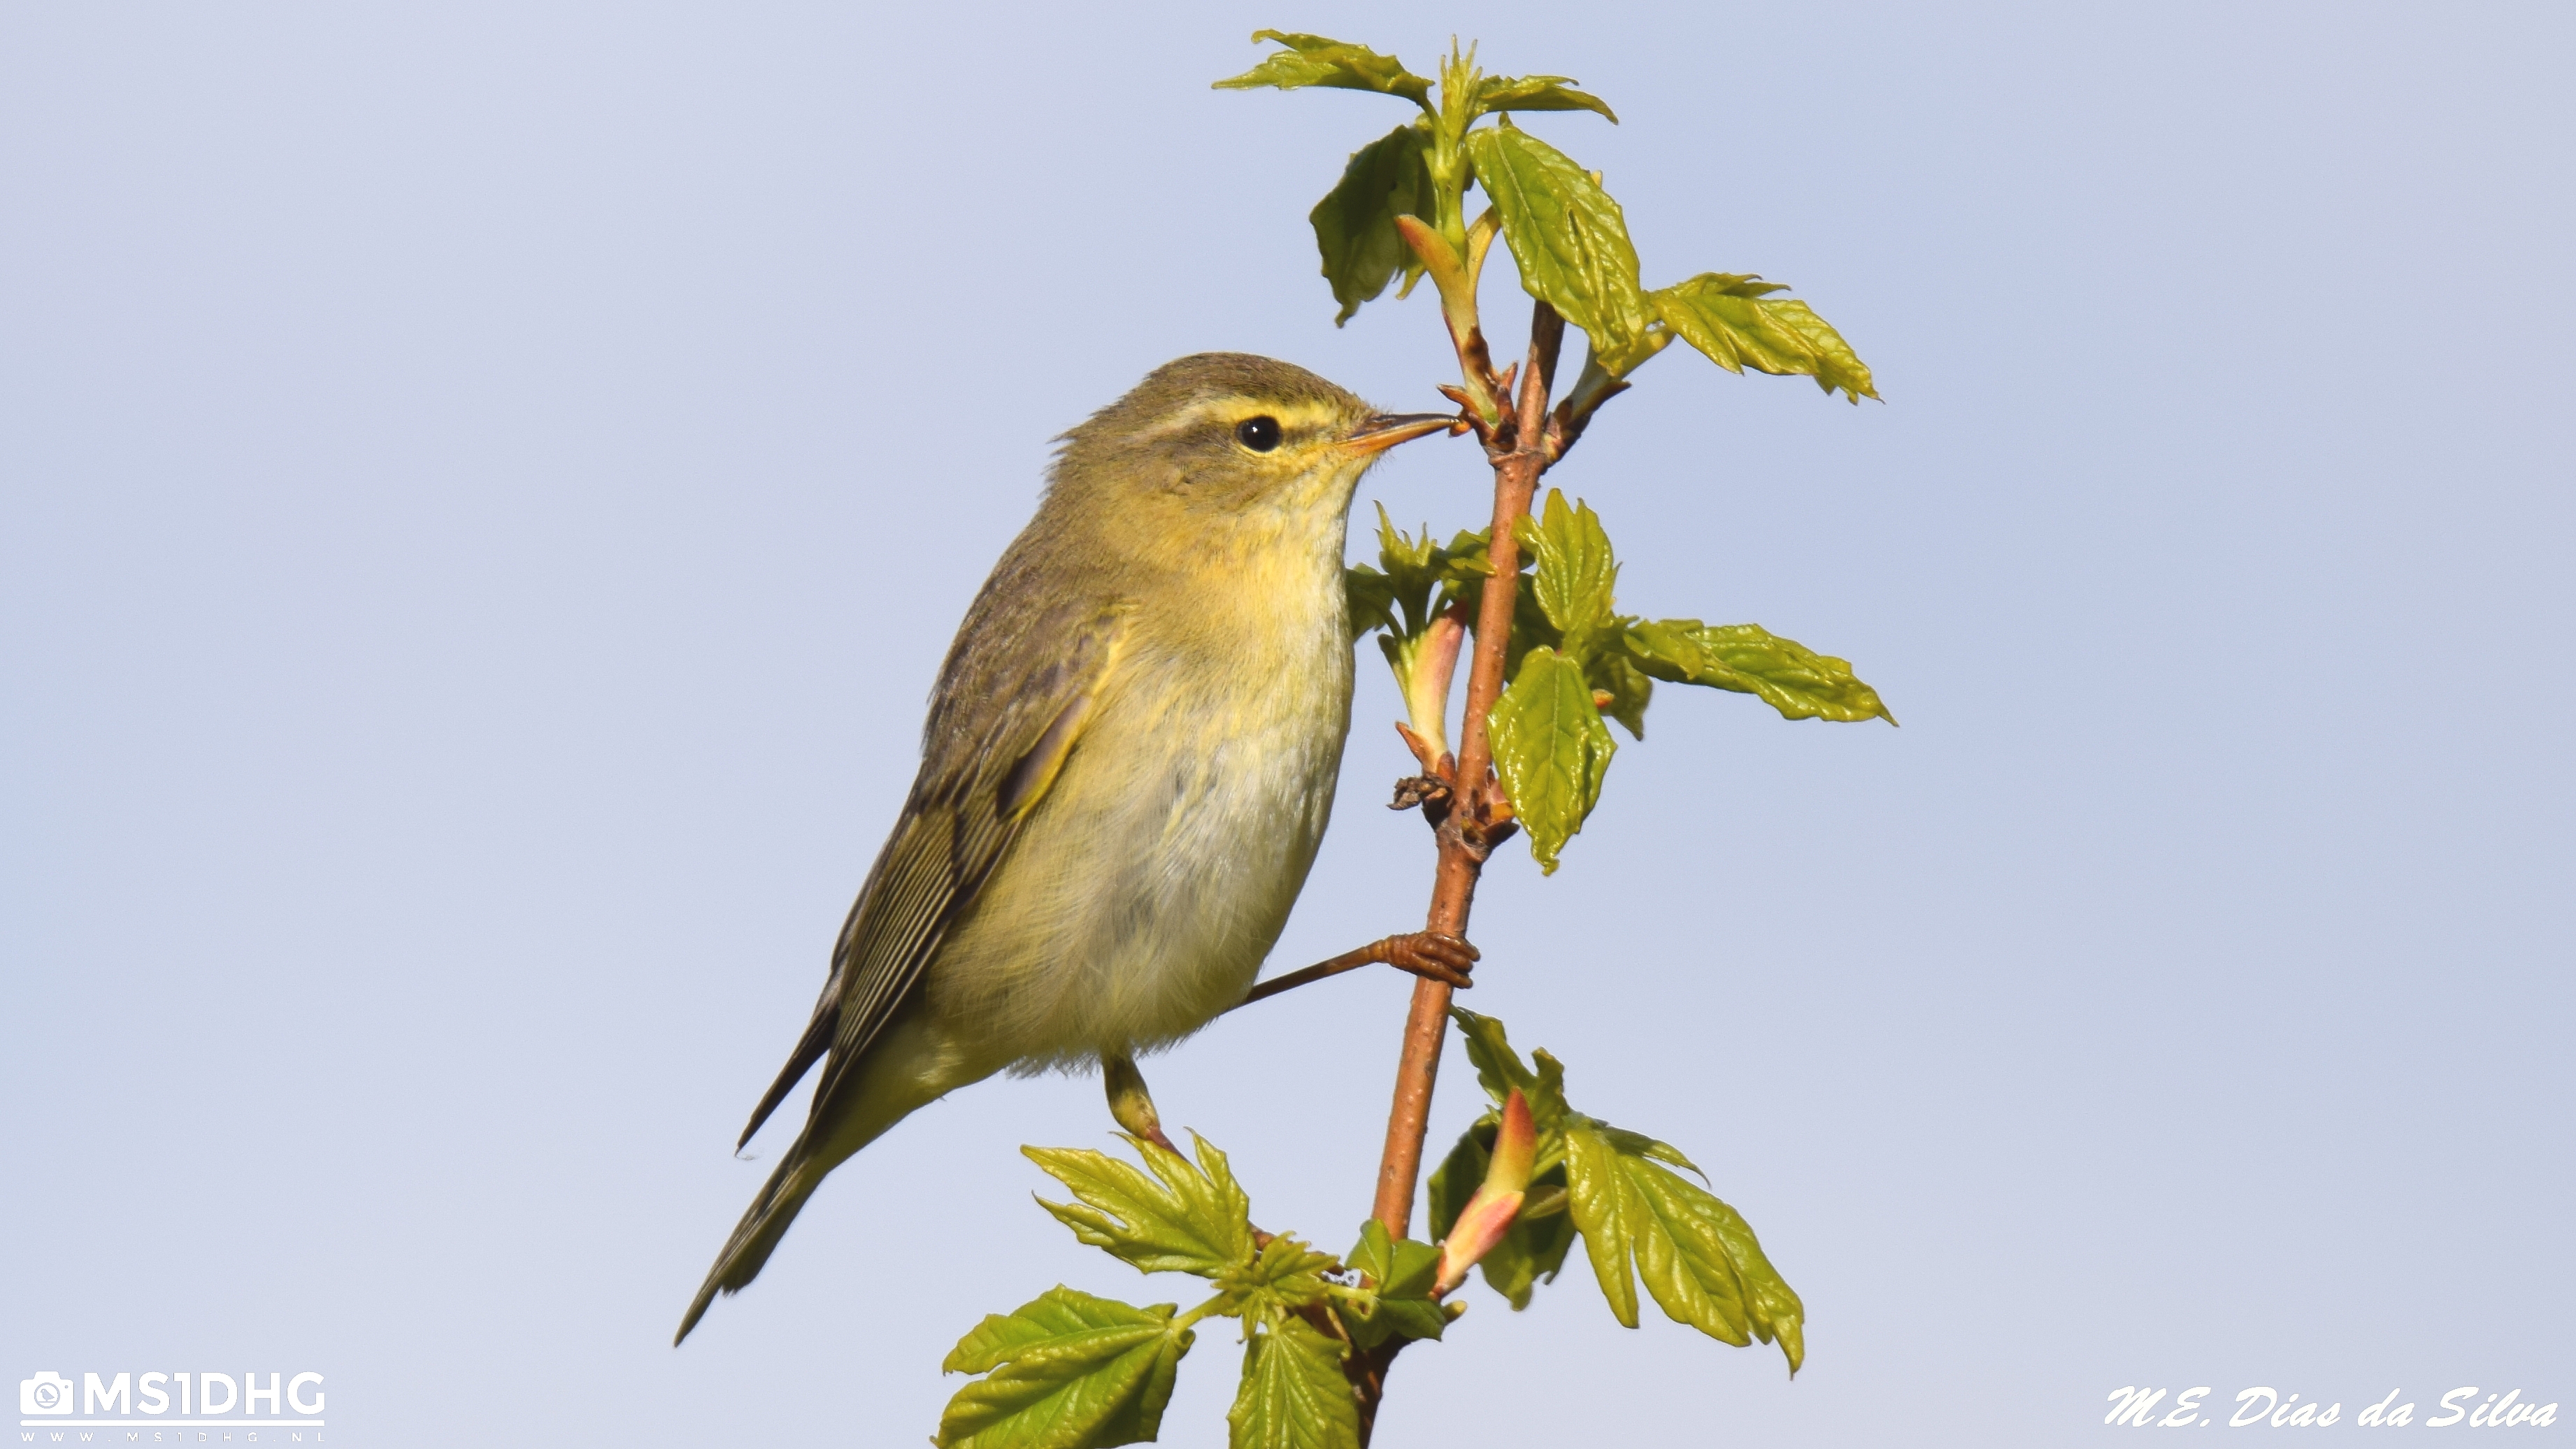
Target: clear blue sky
487, 486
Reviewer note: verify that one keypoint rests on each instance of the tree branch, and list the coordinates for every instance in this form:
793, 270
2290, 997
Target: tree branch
1480, 817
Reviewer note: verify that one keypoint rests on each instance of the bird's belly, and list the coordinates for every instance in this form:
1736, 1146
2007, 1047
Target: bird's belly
1141, 898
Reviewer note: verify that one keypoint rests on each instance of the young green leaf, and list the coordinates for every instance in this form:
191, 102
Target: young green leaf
1696, 1256
1501, 1072
1183, 1219
1398, 595
1738, 324
1620, 688
1550, 749
1400, 1267
1068, 1371
1422, 637
1293, 1395
1568, 237
1536, 93
1286, 1274
1750, 659
1577, 574
1355, 222
1312, 60
1399, 1303
1369, 599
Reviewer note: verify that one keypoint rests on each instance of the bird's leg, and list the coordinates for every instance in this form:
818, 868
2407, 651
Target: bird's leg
1129, 1102
1441, 958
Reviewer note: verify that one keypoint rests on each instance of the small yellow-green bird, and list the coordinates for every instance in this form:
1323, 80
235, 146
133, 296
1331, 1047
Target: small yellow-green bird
1127, 768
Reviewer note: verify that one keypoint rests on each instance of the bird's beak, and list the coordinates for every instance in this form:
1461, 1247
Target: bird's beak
1388, 429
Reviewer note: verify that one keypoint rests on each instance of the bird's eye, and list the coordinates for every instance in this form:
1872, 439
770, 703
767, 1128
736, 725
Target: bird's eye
1259, 434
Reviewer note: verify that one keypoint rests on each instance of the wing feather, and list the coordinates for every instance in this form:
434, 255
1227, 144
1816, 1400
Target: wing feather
965, 808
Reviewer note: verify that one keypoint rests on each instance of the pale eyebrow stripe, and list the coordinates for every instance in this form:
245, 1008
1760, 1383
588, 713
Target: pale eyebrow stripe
1300, 416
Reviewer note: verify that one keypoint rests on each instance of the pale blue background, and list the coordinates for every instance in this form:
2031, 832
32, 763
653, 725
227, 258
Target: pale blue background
486, 488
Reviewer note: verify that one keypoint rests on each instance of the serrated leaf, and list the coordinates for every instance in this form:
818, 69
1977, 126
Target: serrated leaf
1285, 1274
1355, 222
1312, 60
1577, 575
1537, 93
1399, 1304
1369, 598
1639, 1221
1183, 1219
1501, 1072
1401, 1267
1597, 1201
1056, 1314
1499, 1069
1697, 1257
1569, 239
1638, 1144
1398, 595
1551, 750
1293, 1394
1750, 659
1735, 321
1067, 1371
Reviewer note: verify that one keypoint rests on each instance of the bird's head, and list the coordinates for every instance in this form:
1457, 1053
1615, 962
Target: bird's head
1218, 440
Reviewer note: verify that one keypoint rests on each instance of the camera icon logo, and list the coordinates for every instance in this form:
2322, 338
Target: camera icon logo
46, 1393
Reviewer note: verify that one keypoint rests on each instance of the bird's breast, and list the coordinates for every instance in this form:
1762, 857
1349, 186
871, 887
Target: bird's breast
1144, 892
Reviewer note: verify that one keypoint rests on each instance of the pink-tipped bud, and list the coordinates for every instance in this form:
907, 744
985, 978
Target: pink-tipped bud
1426, 683
1489, 1214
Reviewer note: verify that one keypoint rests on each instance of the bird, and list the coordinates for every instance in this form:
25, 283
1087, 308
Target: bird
1126, 771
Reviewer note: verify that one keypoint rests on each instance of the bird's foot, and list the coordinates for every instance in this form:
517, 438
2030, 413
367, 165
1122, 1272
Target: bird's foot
1433, 954
1129, 1102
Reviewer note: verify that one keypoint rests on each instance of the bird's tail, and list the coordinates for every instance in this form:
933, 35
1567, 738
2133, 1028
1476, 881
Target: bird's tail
903, 1072
780, 1199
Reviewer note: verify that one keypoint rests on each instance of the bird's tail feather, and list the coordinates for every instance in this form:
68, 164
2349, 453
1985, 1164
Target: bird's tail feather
780, 1199
902, 1072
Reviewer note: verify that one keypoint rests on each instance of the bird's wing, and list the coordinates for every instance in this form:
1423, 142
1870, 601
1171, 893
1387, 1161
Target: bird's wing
1006, 716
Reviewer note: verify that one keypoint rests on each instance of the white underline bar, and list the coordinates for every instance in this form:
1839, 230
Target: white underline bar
171, 1423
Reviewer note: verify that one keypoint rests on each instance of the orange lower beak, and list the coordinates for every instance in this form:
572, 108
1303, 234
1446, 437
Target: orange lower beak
1388, 429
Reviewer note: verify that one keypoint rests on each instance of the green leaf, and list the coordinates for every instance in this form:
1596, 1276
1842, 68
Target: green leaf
1397, 595
1183, 1219
1578, 576
1355, 222
1401, 1267
1499, 1069
1551, 750
1068, 1371
1750, 659
1697, 1256
1598, 1203
1293, 1395
1567, 236
1501, 1072
1536, 93
1286, 1274
1312, 60
1400, 1303
1612, 672
1369, 597
1738, 324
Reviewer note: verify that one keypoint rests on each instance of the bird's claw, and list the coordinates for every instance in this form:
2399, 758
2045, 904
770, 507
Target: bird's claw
1433, 955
